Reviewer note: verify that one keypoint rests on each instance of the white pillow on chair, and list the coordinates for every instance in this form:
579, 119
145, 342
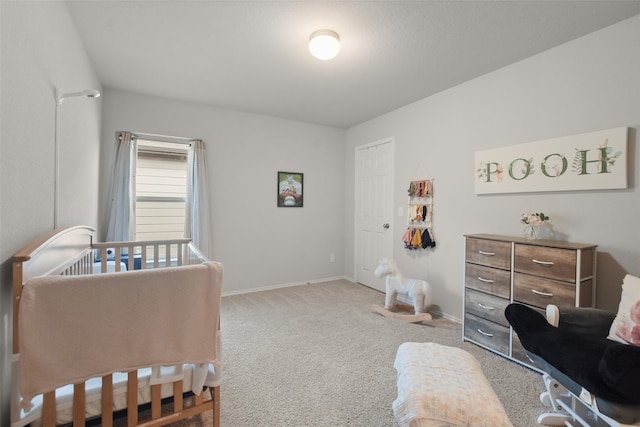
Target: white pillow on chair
626, 326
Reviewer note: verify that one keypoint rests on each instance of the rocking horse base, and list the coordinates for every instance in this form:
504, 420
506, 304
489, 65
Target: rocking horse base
402, 312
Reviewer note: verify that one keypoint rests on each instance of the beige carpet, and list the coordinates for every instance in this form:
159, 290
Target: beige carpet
315, 355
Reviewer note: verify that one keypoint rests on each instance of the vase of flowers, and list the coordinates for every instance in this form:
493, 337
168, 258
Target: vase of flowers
533, 222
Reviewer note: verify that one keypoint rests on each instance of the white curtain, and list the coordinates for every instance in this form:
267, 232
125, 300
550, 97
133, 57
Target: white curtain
197, 220
120, 226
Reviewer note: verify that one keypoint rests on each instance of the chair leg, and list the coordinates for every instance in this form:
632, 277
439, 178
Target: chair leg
568, 410
554, 392
555, 420
550, 399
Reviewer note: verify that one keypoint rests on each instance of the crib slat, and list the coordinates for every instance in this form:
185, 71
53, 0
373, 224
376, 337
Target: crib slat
178, 403
103, 260
215, 396
79, 401
156, 255
132, 398
156, 404
107, 400
49, 409
197, 398
117, 258
143, 259
132, 258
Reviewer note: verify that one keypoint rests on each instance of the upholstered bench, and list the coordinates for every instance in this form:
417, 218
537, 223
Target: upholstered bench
443, 386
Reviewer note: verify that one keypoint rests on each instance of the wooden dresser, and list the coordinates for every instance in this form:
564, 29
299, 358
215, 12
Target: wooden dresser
501, 269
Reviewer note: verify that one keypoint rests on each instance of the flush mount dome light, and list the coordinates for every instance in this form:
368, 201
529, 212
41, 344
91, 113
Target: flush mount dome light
324, 44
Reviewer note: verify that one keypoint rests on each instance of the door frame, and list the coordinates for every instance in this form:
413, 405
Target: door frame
388, 140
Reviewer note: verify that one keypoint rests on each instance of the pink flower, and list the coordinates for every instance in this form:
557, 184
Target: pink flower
534, 219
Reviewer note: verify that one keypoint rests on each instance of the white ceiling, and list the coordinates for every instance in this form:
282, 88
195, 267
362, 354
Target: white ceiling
252, 55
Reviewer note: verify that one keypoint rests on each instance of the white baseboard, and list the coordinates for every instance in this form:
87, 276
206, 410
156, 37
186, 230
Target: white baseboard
285, 285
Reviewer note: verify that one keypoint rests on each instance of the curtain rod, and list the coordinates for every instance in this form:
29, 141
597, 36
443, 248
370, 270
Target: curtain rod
163, 138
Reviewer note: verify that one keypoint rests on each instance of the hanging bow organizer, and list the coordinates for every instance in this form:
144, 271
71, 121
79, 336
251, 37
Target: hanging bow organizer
419, 234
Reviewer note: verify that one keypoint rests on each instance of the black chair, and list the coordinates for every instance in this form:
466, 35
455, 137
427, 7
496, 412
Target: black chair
590, 379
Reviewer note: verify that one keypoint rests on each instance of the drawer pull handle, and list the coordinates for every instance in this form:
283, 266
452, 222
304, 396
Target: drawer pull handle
486, 307
486, 334
544, 294
485, 280
543, 262
487, 253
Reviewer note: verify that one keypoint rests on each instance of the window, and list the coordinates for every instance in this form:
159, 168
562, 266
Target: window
159, 190
161, 185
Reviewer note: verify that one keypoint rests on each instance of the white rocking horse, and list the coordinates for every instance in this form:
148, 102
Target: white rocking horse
417, 290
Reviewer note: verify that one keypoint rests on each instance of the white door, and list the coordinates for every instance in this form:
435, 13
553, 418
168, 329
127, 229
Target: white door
373, 210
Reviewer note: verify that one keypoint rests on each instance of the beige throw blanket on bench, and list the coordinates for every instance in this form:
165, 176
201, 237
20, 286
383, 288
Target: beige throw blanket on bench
76, 327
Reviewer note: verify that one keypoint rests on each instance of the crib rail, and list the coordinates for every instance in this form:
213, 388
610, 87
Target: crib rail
151, 254
181, 408
72, 251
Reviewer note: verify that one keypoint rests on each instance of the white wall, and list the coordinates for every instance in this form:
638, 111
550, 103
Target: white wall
41, 50
260, 244
589, 84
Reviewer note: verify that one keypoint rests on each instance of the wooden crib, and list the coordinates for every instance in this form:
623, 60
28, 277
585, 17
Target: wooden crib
72, 252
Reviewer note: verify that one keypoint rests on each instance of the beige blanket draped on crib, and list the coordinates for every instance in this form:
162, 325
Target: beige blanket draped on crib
77, 327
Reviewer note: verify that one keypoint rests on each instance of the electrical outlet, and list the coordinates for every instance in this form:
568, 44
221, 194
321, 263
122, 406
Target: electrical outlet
332, 257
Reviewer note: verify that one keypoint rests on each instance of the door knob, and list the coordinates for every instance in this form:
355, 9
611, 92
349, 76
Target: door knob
385, 226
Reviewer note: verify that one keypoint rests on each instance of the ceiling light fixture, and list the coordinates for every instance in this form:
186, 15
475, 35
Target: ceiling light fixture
324, 44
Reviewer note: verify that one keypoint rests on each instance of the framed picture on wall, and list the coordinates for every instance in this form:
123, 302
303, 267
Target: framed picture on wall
290, 187
588, 161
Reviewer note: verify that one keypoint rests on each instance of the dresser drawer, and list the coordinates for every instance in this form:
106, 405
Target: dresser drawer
500, 269
554, 263
539, 291
488, 279
489, 252
486, 306
489, 334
